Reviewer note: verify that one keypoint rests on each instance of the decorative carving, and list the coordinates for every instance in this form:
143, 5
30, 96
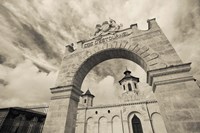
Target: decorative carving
131, 96
72, 47
110, 27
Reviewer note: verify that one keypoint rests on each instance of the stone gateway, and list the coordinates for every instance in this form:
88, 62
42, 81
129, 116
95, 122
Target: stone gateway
176, 92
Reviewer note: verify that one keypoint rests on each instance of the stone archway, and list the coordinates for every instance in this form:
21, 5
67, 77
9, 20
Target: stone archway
112, 53
150, 49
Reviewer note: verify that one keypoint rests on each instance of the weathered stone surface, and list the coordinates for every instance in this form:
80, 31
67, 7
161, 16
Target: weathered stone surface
179, 116
191, 127
61, 116
186, 104
195, 114
179, 105
174, 128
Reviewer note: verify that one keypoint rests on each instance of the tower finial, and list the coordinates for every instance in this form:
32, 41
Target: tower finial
127, 71
126, 68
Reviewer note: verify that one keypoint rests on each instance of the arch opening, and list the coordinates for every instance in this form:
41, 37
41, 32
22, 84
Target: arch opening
89, 127
158, 123
104, 55
103, 125
116, 125
103, 80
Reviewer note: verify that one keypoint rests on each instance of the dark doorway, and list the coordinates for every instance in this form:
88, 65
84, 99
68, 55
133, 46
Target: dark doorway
136, 125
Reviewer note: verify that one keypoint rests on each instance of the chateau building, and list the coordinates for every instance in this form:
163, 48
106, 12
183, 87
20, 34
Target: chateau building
135, 114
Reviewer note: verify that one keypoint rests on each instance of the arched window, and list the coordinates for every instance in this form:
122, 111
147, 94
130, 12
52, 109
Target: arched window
116, 125
89, 126
136, 125
158, 123
103, 125
129, 87
85, 101
124, 87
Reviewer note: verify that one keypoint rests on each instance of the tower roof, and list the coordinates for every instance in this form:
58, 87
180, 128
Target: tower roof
127, 72
88, 93
128, 75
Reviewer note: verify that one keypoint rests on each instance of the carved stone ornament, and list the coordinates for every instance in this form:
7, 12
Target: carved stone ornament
72, 47
110, 27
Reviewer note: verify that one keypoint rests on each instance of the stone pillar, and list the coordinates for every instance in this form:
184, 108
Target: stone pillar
61, 116
146, 126
125, 126
109, 127
96, 127
177, 95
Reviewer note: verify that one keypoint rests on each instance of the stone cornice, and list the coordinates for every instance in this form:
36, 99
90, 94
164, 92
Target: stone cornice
170, 81
75, 98
64, 92
167, 71
118, 105
67, 88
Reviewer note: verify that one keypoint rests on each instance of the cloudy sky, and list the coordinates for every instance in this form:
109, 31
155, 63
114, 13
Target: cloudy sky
33, 34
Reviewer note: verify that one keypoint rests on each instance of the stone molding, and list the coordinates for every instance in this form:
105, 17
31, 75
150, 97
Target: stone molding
64, 92
167, 71
117, 105
182, 79
65, 97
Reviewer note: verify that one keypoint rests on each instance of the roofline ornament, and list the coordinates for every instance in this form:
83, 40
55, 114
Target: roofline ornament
107, 27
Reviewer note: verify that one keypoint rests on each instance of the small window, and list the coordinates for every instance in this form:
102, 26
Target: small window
124, 87
129, 87
85, 101
96, 112
108, 111
135, 85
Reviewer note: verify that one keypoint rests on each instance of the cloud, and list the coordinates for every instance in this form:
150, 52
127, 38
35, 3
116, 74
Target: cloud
26, 86
186, 38
38, 30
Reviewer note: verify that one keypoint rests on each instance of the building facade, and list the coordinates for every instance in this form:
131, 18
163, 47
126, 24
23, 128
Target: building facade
136, 113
